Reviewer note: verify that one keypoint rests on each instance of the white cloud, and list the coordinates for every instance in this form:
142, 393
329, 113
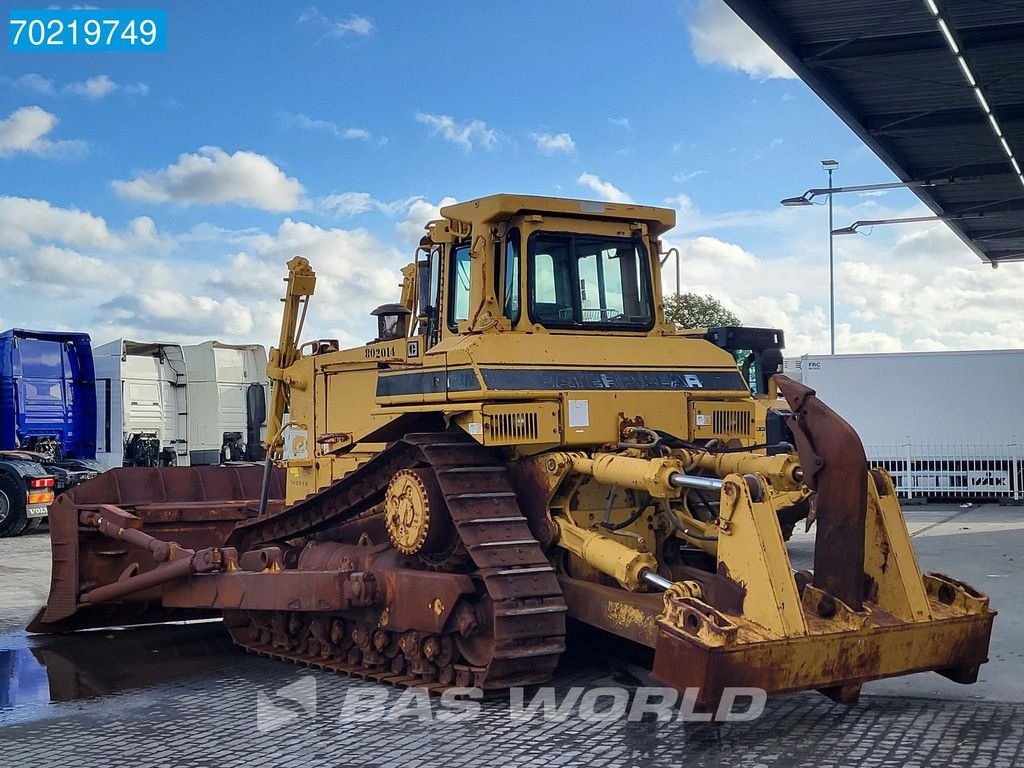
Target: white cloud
207, 283
93, 88
683, 176
350, 203
77, 255
411, 229
719, 37
306, 123
691, 220
901, 289
769, 147
605, 189
355, 203
356, 272
167, 313
549, 143
473, 134
26, 129
213, 176
621, 122
35, 82
336, 27
27, 222
64, 268
96, 88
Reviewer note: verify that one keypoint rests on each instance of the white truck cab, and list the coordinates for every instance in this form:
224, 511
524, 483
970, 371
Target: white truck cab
228, 391
141, 404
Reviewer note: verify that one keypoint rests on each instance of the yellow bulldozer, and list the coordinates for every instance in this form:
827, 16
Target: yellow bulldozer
527, 441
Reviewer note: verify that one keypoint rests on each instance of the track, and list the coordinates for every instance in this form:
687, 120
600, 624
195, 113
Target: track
520, 611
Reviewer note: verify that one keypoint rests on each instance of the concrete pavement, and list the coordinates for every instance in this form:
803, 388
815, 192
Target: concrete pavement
169, 696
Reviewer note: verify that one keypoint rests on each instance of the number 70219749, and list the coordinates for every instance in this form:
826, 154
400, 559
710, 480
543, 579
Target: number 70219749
87, 30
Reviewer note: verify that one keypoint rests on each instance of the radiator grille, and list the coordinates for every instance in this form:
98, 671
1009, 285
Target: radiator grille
513, 427
731, 422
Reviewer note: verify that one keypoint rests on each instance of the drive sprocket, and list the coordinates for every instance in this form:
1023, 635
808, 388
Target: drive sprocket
415, 514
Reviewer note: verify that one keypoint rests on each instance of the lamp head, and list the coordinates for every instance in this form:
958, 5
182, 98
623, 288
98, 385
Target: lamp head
796, 201
829, 165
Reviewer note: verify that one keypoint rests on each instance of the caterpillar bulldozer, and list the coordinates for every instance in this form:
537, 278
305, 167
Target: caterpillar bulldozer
527, 441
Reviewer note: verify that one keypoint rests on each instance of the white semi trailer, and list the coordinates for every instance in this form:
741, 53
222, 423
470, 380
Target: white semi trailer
227, 392
164, 404
945, 424
141, 404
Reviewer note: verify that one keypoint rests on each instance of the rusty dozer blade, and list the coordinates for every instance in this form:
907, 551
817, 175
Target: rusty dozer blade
835, 467
107, 570
864, 613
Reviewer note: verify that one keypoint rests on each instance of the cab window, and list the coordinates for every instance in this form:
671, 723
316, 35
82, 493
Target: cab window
510, 301
585, 281
458, 286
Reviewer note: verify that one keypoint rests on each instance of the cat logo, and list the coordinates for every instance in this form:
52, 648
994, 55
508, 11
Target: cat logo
413, 349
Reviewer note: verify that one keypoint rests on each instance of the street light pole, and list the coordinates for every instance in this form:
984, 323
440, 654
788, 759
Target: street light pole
831, 165
831, 272
807, 198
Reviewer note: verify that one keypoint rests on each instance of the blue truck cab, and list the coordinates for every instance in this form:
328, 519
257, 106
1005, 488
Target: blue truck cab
47, 417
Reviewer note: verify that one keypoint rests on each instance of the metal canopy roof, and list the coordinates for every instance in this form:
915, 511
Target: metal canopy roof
904, 85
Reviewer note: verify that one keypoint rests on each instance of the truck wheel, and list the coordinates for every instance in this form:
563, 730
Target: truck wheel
12, 507
32, 525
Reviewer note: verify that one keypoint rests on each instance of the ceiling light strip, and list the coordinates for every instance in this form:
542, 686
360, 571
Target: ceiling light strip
949, 36
967, 70
982, 100
972, 81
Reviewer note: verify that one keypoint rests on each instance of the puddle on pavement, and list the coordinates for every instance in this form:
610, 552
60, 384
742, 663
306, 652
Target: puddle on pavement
90, 664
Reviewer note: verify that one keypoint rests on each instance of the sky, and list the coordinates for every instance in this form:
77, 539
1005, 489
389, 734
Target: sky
158, 195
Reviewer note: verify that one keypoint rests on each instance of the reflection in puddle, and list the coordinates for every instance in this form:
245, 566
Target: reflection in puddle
90, 664
22, 679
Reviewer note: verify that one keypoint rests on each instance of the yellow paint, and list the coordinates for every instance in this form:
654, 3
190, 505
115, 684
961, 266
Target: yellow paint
628, 616
610, 557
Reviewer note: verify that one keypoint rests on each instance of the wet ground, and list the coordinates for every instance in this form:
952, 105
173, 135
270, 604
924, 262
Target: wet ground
183, 695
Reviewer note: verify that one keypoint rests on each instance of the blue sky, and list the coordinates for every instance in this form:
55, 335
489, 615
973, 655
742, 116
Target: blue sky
159, 194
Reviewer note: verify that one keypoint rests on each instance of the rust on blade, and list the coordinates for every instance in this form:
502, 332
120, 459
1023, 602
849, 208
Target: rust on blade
194, 507
835, 663
835, 465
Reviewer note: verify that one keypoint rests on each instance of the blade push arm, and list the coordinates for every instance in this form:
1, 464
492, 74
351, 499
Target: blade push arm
301, 282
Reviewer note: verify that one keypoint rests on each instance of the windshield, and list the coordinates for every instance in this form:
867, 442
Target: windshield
582, 280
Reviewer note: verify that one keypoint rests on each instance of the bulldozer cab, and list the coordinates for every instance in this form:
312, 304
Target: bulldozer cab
534, 265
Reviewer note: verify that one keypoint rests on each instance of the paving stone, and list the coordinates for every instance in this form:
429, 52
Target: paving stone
213, 722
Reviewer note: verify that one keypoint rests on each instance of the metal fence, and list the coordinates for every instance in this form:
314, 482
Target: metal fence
952, 470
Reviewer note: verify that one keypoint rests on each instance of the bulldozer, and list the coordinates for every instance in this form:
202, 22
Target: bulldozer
527, 441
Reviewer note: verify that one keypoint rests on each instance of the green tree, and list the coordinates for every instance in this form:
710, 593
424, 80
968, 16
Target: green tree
691, 310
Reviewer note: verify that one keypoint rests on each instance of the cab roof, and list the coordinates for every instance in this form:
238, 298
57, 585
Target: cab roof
494, 208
